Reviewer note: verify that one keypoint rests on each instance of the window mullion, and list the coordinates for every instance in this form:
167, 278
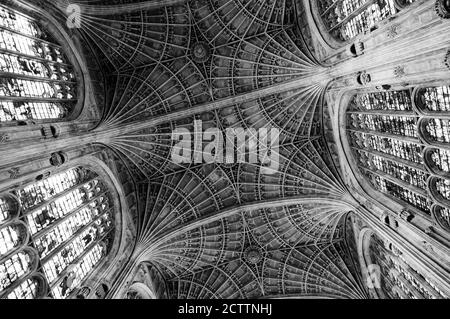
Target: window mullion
353, 14
20, 278
332, 6
46, 230
35, 79
399, 182
59, 196
404, 162
35, 58
384, 113
51, 44
71, 239
388, 135
78, 259
33, 99
425, 285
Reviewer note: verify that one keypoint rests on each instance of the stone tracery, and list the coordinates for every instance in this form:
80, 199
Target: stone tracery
233, 230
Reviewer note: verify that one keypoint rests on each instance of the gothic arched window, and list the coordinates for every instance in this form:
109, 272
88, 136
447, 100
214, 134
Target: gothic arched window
398, 279
53, 234
401, 142
345, 19
140, 291
37, 81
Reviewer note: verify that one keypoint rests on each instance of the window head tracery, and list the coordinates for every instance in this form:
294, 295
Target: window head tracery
398, 279
38, 81
442, 216
9, 208
400, 140
66, 223
345, 19
432, 100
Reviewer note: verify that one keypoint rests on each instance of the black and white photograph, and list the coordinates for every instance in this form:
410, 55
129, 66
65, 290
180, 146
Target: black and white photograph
242, 151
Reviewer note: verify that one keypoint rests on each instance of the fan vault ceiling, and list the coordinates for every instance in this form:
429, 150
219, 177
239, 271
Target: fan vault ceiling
225, 230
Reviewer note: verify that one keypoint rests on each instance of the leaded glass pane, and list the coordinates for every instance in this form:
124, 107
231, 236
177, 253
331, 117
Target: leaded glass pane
435, 99
345, 19
36, 79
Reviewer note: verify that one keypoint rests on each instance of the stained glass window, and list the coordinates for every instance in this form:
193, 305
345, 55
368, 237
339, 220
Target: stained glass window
438, 130
441, 159
28, 289
14, 268
36, 79
443, 188
345, 19
442, 215
399, 280
402, 192
10, 238
386, 135
434, 99
9, 207
69, 217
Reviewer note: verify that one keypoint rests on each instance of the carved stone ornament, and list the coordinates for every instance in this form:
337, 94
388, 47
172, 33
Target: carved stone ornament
364, 78
406, 215
201, 52
447, 60
4, 138
399, 71
443, 8
253, 255
393, 31
14, 173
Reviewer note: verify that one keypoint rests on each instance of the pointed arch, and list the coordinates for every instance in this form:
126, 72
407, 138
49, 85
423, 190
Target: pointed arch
42, 77
400, 145
68, 222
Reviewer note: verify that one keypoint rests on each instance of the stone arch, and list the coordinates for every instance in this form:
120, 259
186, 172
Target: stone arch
140, 290
90, 199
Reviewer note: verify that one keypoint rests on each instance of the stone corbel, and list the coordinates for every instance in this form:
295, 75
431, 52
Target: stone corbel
363, 78
406, 215
4, 138
447, 60
399, 72
357, 48
393, 31
443, 8
389, 220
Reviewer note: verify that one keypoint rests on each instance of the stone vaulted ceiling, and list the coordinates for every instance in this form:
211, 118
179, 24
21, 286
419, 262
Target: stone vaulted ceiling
222, 230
